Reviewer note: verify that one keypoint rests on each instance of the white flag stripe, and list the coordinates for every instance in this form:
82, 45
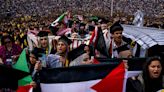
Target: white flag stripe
31, 90
70, 87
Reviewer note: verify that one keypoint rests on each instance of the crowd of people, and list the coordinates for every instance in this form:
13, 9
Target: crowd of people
152, 8
15, 12
103, 41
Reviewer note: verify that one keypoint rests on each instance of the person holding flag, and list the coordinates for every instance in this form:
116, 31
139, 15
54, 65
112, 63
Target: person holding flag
35, 66
59, 26
101, 39
29, 63
60, 58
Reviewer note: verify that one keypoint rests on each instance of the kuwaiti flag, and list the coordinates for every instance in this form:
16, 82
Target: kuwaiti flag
86, 78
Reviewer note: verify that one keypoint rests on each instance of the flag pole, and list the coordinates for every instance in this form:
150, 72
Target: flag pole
111, 13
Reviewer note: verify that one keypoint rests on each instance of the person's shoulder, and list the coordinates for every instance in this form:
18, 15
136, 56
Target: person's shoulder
2, 48
52, 57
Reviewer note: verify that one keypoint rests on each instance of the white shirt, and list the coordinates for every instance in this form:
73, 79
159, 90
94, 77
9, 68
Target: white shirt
114, 46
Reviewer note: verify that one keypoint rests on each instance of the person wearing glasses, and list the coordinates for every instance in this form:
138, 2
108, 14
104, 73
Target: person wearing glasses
9, 51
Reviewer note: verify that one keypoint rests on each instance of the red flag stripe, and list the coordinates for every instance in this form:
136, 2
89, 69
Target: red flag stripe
24, 88
113, 82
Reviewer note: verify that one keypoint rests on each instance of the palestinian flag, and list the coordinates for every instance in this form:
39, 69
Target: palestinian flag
61, 20
86, 78
21, 64
98, 41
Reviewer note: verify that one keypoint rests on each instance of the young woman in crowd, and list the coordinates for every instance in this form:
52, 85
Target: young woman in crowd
34, 66
151, 79
59, 59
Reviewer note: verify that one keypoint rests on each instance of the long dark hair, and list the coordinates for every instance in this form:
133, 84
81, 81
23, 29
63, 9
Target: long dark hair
151, 85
